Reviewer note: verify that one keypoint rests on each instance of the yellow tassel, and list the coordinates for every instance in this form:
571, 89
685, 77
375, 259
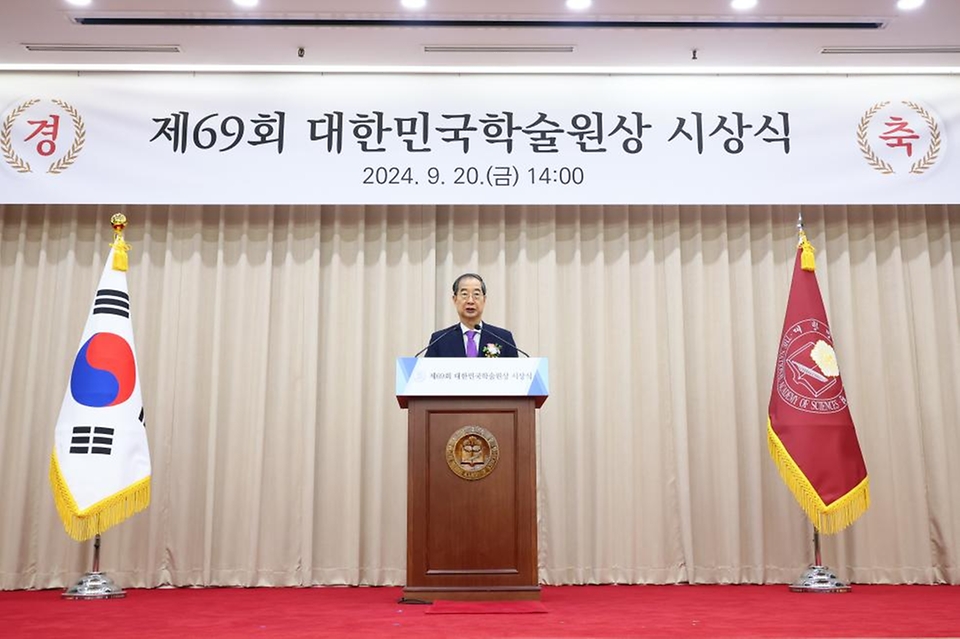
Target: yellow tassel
120, 248
807, 261
120, 260
827, 519
102, 515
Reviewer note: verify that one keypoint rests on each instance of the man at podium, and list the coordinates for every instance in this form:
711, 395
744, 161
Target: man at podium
471, 337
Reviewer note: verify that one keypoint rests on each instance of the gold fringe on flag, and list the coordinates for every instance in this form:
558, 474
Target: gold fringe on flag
102, 515
827, 519
807, 261
119, 246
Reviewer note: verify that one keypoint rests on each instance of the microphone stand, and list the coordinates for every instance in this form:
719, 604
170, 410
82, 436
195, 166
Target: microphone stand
504, 338
439, 337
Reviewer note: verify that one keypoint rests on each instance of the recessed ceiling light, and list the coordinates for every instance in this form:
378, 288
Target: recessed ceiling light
414, 4
907, 5
246, 4
743, 5
578, 5
79, 3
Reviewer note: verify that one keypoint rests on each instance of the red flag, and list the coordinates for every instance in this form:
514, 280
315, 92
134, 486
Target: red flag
809, 428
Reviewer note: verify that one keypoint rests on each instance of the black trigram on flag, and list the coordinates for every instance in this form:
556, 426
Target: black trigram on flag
96, 440
112, 301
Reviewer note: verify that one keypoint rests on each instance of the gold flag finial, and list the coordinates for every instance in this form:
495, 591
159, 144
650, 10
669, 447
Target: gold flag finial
807, 260
119, 222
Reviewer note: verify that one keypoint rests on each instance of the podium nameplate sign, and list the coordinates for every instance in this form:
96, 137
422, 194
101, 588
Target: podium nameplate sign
472, 377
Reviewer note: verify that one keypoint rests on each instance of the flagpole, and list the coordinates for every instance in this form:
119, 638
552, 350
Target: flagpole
816, 548
94, 584
817, 577
796, 403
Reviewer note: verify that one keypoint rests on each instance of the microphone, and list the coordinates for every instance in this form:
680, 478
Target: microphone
439, 337
502, 336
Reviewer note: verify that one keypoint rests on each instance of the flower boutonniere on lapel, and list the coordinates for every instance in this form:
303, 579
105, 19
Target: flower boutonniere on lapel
491, 350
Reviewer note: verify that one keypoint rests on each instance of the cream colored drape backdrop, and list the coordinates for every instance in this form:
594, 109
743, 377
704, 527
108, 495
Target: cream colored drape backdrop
266, 338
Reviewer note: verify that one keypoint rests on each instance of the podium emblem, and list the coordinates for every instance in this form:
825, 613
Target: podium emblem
472, 453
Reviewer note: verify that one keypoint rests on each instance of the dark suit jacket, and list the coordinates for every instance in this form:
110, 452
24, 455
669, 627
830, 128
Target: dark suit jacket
451, 344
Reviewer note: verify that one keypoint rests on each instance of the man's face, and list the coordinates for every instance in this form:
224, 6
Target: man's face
469, 300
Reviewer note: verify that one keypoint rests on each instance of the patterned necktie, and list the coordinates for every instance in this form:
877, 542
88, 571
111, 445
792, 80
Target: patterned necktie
471, 345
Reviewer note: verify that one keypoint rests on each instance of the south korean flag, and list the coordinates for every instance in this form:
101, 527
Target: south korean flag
100, 467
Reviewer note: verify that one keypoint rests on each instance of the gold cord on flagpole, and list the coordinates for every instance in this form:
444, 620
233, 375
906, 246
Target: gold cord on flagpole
807, 260
119, 246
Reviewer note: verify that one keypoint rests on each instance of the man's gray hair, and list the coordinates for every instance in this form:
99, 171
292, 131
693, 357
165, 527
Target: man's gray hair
467, 276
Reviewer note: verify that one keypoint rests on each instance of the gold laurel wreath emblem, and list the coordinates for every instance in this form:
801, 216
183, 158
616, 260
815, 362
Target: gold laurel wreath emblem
58, 166
920, 166
6, 145
79, 139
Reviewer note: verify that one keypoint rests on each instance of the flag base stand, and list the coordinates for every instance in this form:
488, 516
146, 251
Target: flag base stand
819, 579
94, 584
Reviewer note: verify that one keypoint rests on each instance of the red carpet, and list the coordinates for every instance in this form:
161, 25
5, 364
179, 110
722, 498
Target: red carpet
484, 607
574, 611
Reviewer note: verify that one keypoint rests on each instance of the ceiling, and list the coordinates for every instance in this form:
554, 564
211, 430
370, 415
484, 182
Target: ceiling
676, 35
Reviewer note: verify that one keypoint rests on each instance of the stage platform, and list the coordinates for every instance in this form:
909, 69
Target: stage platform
567, 611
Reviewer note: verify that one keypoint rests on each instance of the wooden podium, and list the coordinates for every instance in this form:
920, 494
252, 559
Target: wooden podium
472, 476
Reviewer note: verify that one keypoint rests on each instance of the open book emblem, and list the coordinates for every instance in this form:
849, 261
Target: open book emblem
806, 372
472, 452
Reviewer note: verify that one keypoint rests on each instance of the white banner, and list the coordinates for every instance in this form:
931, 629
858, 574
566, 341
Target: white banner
474, 139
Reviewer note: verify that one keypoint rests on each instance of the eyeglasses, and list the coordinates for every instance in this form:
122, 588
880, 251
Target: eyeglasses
467, 295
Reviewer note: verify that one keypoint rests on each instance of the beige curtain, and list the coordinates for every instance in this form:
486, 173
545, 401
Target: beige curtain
266, 338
